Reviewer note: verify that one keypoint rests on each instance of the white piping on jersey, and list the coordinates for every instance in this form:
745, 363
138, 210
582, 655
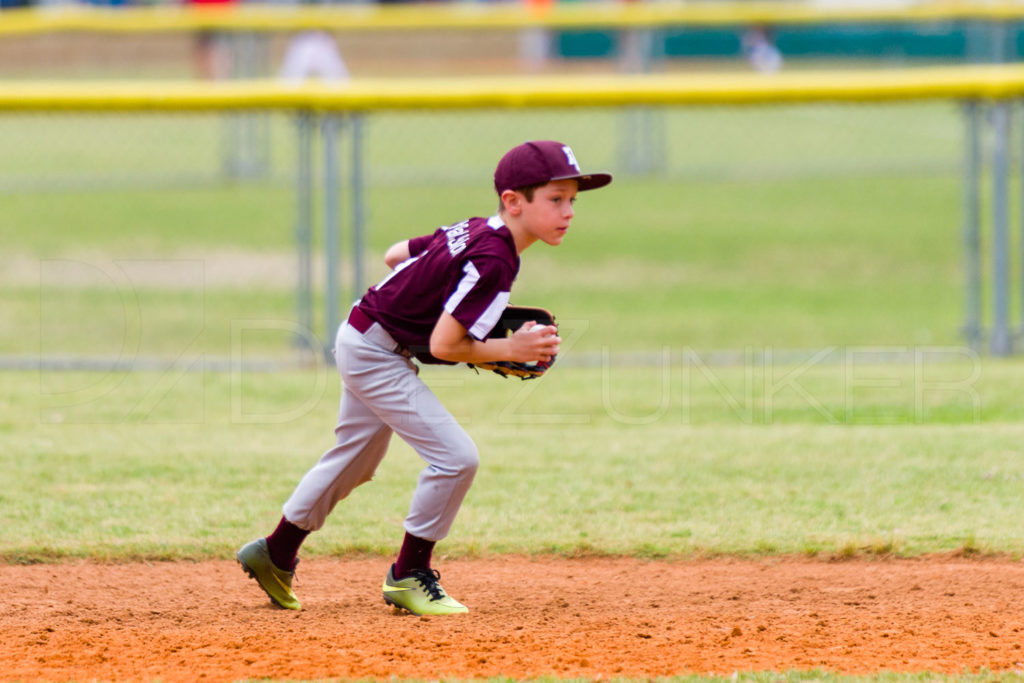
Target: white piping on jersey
471, 277
486, 322
489, 318
495, 222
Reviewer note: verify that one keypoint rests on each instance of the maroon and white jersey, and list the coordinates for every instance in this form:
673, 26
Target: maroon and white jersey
466, 269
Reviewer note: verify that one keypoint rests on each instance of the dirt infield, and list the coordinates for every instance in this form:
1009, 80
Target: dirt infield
529, 617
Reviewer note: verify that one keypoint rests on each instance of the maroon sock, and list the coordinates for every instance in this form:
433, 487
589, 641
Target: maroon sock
415, 554
284, 544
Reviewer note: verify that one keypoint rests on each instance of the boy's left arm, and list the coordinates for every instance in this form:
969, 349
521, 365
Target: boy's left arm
396, 253
406, 249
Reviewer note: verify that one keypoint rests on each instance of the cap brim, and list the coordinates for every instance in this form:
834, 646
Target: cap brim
589, 181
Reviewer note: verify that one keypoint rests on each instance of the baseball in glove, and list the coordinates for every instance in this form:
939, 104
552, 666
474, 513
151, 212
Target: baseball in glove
512, 318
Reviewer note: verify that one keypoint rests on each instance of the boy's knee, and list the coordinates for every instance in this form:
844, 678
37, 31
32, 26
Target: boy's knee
466, 458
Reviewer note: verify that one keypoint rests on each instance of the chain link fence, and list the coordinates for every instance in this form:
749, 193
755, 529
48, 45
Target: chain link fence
757, 181
157, 235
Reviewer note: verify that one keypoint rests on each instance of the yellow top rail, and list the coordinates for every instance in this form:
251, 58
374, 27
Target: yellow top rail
519, 92
469, 16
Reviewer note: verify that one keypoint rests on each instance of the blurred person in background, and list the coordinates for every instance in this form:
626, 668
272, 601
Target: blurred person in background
313, 54
536, 44
212, 55
760, 50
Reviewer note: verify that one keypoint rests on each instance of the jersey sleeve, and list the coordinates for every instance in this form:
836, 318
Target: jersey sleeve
480, 295
418, 244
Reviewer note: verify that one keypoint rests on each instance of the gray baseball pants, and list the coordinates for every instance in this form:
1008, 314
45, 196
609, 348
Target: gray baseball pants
381, 395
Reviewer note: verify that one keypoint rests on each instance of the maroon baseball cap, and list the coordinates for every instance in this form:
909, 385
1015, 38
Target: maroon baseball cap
541, 161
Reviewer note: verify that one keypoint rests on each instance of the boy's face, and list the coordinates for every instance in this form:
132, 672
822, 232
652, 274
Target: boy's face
548, 215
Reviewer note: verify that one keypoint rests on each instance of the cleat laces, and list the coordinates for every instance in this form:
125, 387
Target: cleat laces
429, 579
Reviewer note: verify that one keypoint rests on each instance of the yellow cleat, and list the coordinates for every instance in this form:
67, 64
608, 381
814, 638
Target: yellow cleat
276, 583
420, 593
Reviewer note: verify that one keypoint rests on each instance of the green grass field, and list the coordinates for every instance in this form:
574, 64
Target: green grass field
817, 247
769, 233
834, 458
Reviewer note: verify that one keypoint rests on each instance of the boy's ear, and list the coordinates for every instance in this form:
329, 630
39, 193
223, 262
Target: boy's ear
512, 201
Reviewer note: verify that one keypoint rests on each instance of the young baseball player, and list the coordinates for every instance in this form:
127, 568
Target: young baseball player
444, 295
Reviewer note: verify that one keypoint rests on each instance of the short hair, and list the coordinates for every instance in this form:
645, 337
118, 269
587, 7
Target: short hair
527, 191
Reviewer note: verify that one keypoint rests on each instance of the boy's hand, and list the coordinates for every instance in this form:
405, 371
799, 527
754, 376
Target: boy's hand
534, 342
531, 343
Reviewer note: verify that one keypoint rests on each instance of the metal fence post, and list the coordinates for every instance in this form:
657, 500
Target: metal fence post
332, 241
304, 227
251, 149
1001, 343
642, 129
971, 226
246, 133
1020, 253
357, 200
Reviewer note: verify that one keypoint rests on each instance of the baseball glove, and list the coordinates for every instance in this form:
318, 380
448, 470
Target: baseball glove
512, 318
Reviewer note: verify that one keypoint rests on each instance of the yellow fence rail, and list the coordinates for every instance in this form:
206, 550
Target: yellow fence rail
463, 16
993, 82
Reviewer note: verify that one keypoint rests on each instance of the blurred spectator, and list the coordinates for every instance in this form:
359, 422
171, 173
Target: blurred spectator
11, 4
759, 47
313, 54
212, 55
536, 44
